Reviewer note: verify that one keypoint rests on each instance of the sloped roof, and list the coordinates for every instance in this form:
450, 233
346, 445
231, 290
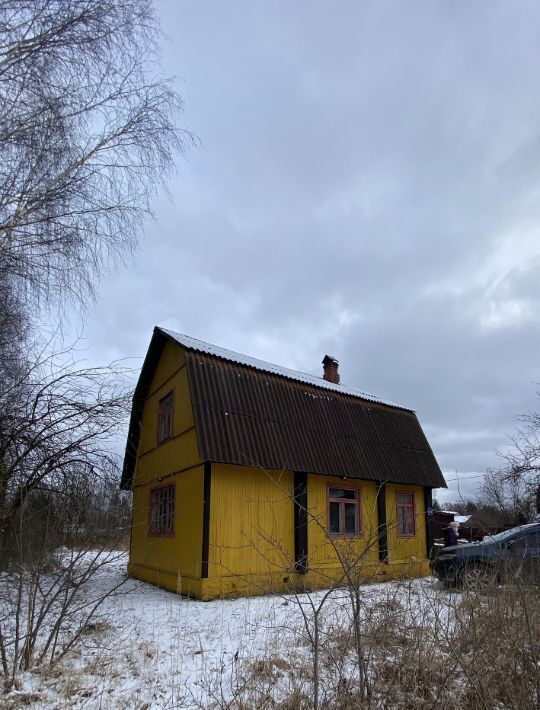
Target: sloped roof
200, 346
252, 413
462, 519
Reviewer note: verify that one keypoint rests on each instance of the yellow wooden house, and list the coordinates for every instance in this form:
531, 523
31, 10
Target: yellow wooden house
249, 478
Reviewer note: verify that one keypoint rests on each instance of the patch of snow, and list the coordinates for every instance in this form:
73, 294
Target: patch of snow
155, 649
201, 346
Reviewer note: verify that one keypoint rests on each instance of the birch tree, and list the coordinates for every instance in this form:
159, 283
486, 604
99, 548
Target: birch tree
87, 135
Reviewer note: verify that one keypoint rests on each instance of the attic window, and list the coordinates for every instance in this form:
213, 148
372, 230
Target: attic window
165, 418
406, 523
343, 511
161, 519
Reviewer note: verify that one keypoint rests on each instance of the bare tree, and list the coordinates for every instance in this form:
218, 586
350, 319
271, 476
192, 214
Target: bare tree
521, 470
58, 517
57, 422
511, 495
87, 134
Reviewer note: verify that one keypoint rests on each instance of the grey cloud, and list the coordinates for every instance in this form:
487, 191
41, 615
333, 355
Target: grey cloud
368, 186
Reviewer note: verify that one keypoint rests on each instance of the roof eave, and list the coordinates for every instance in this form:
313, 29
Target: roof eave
157, 343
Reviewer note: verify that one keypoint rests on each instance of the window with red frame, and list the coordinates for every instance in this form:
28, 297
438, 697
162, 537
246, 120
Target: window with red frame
161, 511
405, 515
165, 418
343, 511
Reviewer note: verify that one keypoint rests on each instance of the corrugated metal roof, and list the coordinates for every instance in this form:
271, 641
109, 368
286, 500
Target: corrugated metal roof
249, 412
250, 417
200, 346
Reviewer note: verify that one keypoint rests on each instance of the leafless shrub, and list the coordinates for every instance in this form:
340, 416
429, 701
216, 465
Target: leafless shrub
471, 650
57, 421
411, 644
425, 647
60, 512
47, 606
254, 685
497, 645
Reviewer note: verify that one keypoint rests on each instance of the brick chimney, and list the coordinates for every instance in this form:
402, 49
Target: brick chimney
330, 373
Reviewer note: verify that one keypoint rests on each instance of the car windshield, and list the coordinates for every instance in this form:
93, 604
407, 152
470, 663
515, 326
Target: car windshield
502, 536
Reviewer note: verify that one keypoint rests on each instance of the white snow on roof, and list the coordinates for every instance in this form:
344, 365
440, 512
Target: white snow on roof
461, 519
202, 347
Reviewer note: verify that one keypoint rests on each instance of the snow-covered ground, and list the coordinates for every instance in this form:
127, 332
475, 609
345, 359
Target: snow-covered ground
150, 648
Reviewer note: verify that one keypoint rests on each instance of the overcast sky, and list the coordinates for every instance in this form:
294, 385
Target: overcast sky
367, 185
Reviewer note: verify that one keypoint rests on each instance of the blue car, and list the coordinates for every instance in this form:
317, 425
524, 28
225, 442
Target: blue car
511, 555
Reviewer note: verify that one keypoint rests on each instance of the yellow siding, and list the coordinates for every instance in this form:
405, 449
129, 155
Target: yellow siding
179, 556
174, 456
171, 562
329, 553
170, 375
172, 358
404, 549
252, 535
181, 451
251, 523
325, 550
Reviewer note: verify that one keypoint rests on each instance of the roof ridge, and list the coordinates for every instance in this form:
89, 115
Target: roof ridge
203, 346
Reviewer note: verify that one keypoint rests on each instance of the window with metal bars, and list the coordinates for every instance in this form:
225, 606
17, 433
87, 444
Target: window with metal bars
161, 518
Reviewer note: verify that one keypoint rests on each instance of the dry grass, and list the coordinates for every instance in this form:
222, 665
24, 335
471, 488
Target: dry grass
468, 650
422, 647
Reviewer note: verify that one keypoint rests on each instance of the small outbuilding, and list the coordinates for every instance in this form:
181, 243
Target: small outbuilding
248, 477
